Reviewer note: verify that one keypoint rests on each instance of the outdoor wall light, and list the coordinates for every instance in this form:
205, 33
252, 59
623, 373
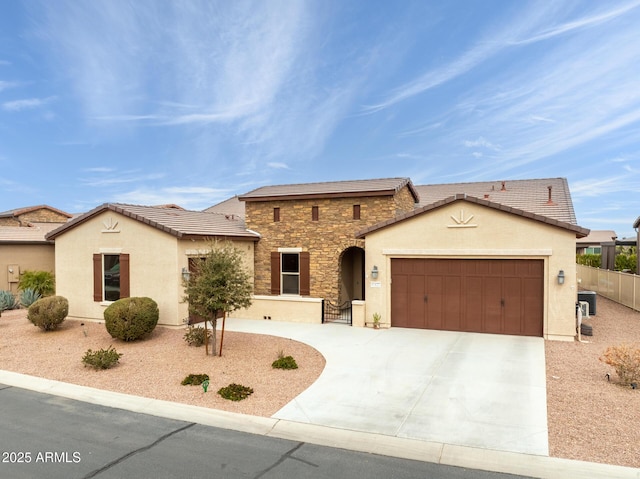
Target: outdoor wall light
561, 276
374, 272
186, 274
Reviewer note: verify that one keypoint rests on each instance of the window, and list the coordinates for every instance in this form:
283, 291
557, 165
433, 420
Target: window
110, 277
356, 212
315, 214
593, 250
290, 272
276, 215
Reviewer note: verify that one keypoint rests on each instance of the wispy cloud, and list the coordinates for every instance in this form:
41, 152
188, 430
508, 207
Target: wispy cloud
26, 104
278, 165
193, 198
112, 178
7, 84
527, 26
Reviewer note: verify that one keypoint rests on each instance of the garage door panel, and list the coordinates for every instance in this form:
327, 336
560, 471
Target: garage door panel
480, 295
416, 302
434, 302
399, 302
452, 305
492, 304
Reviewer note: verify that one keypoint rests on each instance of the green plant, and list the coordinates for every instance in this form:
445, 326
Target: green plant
103, 359
195, 336
42, 282
592, 260
218, 284
284, 362
130, 319
376, 320
48, 313
28, 297
235, 392
625, 360
195, 379
626, 262
7, 301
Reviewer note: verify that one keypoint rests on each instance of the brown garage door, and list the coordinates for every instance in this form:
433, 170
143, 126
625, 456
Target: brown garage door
477, 295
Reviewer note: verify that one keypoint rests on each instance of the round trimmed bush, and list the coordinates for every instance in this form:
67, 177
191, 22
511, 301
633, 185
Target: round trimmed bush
47, 313
131, 318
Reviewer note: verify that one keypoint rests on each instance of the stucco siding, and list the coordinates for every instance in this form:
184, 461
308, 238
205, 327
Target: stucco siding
464, 230
27, 258
153, 267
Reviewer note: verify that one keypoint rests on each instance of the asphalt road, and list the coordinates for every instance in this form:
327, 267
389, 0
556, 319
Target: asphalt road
45, 436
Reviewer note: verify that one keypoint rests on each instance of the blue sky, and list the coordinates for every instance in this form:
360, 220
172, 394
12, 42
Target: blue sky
190, 102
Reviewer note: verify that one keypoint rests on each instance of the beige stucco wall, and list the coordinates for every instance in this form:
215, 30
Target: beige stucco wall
156, 260
487, 233
32, 257
153, 268
197, 248
294, 309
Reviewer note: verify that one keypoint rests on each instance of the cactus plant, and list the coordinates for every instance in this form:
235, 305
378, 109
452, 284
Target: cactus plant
28, 297
7, 301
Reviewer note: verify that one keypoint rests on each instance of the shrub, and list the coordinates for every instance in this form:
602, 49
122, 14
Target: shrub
42, 282
235, 392
194, 379
28, 297
7, 301
103, 359
129, 319
284, 362
592, 260
48, 313
625, 360
195, 336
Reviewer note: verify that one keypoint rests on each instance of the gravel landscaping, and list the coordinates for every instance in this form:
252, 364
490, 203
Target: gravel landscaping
590, 418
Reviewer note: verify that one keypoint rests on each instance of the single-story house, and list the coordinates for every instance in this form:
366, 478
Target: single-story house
493, 257
592, 243
116, 251
23, 246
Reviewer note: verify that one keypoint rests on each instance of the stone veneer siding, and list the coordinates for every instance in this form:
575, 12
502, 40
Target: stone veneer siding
42, 215
325, 239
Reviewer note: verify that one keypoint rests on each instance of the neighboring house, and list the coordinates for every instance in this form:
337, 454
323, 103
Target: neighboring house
23, 246
116, 251
493, 257
592, 243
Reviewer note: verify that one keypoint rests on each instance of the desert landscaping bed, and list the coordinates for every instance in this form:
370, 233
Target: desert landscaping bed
154, 367
589, 417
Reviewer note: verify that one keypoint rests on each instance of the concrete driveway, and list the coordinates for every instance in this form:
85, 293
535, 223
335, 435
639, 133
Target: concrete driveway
480, 390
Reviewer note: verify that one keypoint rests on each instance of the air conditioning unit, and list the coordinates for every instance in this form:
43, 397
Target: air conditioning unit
584, 306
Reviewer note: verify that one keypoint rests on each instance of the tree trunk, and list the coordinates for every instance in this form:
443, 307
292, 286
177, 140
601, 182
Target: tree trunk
214, 343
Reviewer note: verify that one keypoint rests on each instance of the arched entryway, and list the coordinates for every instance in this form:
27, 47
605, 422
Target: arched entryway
352, 274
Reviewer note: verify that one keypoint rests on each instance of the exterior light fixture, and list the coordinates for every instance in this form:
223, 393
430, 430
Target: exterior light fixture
561, 276
374, 272
186, 274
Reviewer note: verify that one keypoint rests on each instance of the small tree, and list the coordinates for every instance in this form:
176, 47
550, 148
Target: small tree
218, 284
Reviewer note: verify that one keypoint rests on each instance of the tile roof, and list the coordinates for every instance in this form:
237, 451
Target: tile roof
525, 195
578, 230
33, 234
232, 206
331, 189
597, 237
28, 209
177, 222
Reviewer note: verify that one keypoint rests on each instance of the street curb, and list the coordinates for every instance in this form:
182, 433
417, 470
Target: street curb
543, 467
